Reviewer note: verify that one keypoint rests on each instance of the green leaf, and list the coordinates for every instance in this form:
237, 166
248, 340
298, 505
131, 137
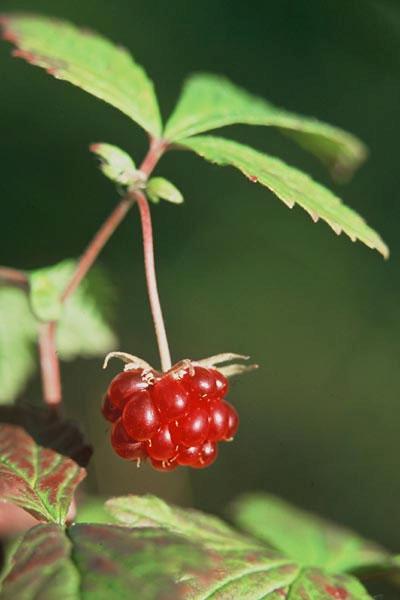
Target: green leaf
82, 329
150, 511
115, 164
17, 337
304, 537
37, 479
316, 585
88, 61
92, 510
242, 567
100, 562
159, 188
289, 184
209, 101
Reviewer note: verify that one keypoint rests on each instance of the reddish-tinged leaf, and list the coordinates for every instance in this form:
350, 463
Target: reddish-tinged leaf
35, 478
49, 429
99, 562
40, 567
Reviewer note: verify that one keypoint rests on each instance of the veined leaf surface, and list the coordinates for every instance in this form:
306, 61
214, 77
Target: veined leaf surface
209, 101
87, 60
289, 184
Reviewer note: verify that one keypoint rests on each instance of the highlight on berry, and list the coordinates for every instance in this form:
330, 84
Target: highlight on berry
176, 418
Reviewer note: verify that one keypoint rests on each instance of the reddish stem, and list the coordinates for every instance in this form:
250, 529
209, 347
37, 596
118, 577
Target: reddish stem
156, 150
49, 364
47, 343
13, 276
96, 245
151, 279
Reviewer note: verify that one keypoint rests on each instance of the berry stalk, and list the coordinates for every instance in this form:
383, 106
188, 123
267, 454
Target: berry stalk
151, 279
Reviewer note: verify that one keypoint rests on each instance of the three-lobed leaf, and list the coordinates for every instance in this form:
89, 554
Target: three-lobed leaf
100, 562
242, 567
210, 101
289, 185
37, 479
88, 61
17, 338
304, 537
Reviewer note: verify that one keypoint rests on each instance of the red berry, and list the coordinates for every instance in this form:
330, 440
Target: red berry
221, 383
124, 445
233, 422
188, 457
140, 417
218, 420
163, 465
208, 454
161, 447
125, 385
170, 397
202, 382
192, 429
110, 412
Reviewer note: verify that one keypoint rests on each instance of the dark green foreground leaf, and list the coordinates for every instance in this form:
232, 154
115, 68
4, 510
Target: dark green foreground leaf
99, 562
242, 567
209, 101
306, 538
37, 479
288, 184
88, 61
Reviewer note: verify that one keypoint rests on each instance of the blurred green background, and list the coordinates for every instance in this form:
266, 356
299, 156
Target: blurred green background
237, 270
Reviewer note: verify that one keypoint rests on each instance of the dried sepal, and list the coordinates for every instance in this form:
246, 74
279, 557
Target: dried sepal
236, 369
131, 361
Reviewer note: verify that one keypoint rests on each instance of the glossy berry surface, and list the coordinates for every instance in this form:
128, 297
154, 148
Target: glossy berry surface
172, 419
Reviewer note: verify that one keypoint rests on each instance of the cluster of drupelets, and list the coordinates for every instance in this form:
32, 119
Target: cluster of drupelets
174, 419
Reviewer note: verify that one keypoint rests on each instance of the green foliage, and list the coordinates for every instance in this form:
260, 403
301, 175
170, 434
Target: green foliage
17, 337
99, 562
289, 184
82, 329
246, 568
209, 102
37, 479
115, 164
88, 61
306, 538
159, 188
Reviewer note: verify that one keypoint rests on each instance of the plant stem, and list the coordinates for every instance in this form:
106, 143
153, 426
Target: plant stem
96, 245
49, 364
13, 276
152, 288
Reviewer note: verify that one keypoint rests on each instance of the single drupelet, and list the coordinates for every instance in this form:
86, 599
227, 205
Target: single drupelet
174, 419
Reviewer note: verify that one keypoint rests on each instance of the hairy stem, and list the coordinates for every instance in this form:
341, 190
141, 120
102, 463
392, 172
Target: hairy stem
96, 245
49, 364
152, 288
13, 276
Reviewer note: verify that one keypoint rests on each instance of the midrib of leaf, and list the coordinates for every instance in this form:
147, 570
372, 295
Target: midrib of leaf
33, 485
